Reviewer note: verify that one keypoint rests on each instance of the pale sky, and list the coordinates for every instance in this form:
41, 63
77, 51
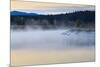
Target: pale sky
47, 8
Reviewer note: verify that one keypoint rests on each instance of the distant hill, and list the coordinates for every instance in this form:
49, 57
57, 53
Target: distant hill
18, 13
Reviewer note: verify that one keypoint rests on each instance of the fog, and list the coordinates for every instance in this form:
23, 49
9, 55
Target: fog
51, 39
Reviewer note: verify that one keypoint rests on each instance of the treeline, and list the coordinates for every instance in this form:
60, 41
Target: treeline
75, 19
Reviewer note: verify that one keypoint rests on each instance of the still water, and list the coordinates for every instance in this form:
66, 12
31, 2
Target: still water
52, 39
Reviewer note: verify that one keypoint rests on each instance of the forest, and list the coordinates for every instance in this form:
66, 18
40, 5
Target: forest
81, 19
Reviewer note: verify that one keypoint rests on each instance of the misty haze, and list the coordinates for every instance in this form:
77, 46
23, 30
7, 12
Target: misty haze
53, 31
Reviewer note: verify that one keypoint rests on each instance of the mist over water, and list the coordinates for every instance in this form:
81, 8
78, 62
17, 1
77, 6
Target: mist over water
51, 39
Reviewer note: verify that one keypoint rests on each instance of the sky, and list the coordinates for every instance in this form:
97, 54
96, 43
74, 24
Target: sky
47, 8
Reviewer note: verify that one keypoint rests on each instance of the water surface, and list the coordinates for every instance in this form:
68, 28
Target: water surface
52, 39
